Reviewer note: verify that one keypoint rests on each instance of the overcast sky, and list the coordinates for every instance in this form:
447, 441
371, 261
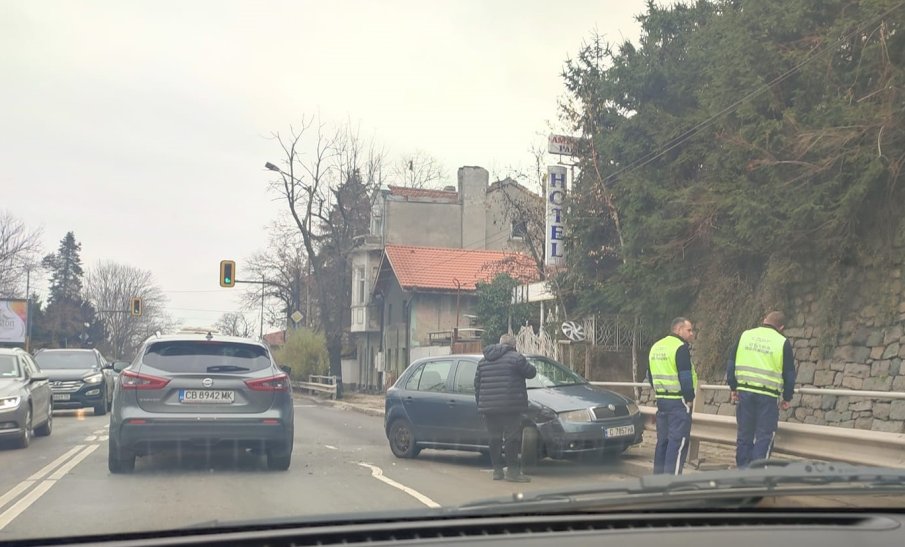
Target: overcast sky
142, 126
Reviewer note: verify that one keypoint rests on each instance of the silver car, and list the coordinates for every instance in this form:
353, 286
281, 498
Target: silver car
207, 391
25, 398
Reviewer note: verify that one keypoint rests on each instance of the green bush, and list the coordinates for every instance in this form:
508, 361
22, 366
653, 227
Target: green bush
305, 352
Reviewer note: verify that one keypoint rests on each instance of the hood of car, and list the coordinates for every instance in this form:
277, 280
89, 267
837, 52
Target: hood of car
59, 374
561, 399
10, 387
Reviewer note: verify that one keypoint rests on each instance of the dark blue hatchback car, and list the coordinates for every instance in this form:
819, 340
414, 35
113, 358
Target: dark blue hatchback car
432, 405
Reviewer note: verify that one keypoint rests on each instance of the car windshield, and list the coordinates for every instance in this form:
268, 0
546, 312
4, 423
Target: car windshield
551, 374
253, 251
67, 360
9, 368
199, 357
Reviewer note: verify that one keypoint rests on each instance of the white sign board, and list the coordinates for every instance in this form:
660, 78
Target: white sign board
13, 321
555, 194
562, 144
532, 292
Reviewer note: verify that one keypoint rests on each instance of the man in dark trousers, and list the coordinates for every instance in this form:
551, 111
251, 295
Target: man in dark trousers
761, 369
502, 399
674, 381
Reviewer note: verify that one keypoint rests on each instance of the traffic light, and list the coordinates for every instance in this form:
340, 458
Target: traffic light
135, 307
227, 273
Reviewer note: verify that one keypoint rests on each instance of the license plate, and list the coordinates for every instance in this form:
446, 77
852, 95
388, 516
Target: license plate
622, 431
60, 396
214, 396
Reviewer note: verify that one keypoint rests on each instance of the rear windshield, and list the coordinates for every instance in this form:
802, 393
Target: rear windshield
67, 359
203, 356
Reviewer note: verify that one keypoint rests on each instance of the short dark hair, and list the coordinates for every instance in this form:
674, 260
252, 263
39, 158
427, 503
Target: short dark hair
678, 321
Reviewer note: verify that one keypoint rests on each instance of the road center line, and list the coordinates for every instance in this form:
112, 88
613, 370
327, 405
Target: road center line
15, 491
377, 473
73, 462
7, 516
330, 447
53, 465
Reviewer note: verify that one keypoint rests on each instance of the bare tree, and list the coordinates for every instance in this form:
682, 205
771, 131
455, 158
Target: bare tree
20, 250
235, 324
109, 287
284, 265
418, 170
328, 196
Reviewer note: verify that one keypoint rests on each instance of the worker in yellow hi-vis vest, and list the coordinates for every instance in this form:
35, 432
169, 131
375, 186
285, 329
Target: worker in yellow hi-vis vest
674, 381
761, 375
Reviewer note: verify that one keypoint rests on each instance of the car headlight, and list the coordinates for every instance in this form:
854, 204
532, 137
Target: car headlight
9, 403
632, 409
581, 416
94, 378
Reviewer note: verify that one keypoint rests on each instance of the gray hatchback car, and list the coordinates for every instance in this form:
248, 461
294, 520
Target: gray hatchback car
206, 391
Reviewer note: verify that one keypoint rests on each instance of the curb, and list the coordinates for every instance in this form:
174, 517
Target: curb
343, 405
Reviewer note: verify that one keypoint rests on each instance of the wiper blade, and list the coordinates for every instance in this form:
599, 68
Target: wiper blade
765, 478
227, 368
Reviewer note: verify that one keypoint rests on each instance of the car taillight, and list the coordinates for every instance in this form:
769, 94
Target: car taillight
280, 382
135, 380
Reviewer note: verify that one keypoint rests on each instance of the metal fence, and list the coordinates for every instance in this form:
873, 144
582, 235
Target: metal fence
318, 384
803, 440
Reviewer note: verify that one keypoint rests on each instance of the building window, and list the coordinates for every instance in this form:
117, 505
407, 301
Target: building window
518, 229
361, 285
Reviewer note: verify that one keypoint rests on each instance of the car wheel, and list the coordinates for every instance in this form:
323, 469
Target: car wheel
44, 429
530, 448
25, 437
278, 459
101, 408
402, 439
119, 460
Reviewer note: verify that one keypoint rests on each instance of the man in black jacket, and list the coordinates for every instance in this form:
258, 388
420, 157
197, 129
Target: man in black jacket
503, 399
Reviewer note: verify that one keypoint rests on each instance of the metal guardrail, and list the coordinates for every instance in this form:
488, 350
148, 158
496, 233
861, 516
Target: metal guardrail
327, 384
821, 442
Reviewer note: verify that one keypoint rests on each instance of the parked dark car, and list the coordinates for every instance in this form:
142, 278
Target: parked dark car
25, 402
432, 405
205, 391
79, 378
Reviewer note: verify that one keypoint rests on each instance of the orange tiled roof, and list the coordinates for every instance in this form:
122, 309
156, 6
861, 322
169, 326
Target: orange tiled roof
406, 192
439, 268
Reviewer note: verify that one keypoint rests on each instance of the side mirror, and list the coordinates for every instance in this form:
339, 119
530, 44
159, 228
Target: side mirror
119, 366
39, 377
287, 369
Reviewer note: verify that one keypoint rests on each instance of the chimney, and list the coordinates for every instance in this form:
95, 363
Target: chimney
473, 182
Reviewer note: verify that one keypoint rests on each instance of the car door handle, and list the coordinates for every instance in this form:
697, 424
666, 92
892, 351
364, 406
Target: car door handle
408, 399
451, 402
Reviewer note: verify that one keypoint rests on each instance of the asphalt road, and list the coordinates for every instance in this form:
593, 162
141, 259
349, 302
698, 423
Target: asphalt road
60, 486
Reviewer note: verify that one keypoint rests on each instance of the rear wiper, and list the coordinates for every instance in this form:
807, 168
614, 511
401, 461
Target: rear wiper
764, 478
227, 368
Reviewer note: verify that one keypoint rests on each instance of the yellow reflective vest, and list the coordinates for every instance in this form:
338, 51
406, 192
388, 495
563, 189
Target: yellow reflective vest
663, 370
758, 361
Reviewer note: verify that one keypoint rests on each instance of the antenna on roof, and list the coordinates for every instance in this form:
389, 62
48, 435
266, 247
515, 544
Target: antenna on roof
209, 336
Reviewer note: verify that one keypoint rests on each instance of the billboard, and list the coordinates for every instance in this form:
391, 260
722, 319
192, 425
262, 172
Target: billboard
555, 195
13, 321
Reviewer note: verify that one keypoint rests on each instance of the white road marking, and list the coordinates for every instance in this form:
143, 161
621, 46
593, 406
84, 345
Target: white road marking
73, 462
14, 492
377, 473
103, 438
53, 465
303, 406
64, 464
90, 438
330, 447
7, 516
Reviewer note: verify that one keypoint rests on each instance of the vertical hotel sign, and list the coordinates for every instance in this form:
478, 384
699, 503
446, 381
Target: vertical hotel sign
13, 321
555, 196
